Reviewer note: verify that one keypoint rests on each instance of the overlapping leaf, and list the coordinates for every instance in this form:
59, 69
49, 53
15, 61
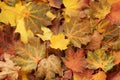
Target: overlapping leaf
99, 59
8, 68
48, 68
99, 9
29, 55
75, 60
77, 32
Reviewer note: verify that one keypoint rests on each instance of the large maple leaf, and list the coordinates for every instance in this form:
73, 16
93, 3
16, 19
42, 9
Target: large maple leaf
75, 60
77, 32
29, 55
48, 68
99, 59
99, 9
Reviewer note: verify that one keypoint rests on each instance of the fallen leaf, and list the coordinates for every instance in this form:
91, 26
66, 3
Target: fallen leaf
77, 32
75, 60
59, 41
49, 67
8, 68
86, 75
114, 16
95, 42
11, 2
99, 9
29, 55
73, 7
47, 33
99, 59
113, 1
114, 76
100, 76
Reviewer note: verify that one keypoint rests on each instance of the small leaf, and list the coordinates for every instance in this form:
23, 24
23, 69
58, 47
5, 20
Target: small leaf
55, 3
77, 32
47, 33
100, 76
11, 2
28, 55
59, 41
49, 67
117, 57
75, 60
99, 9
99, 59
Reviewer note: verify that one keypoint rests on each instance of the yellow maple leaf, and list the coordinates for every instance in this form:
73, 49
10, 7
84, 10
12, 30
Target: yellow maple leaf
47, 33
72, 7
9, 15
21, 29
59, 41
100, 76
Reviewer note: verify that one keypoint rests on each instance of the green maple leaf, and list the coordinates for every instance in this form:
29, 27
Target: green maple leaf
49, 67
35, 16
30, 54
99, 59
77, 32
99, 9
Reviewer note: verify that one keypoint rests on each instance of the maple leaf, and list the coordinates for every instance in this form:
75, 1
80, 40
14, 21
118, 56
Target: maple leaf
77, 32
113, 1
86, 75
35, 16
73, 7
59, 41
75, 60
100, 76
99, 59
28, 55
49, 67
55, 3
95, 42
8, 68
47, 33
99, 9
114, 16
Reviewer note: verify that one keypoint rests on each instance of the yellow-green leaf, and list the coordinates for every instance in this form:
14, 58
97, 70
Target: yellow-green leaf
77, 32
59, 41
29, 55
99, 59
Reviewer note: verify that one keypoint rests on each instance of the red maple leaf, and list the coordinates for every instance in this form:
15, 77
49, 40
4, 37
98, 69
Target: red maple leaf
75, 60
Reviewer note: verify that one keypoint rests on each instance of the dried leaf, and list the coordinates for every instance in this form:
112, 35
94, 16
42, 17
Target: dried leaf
29, 55
11, 2
99, 59
49, 67
59, 41
75, 60
95, 42
77, 32
100, 76
117, 57
8, 68
99, 9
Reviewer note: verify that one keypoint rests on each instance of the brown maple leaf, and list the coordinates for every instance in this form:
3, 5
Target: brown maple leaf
75, 60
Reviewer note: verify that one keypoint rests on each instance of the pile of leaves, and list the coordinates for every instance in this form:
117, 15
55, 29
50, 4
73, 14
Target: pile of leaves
59, 40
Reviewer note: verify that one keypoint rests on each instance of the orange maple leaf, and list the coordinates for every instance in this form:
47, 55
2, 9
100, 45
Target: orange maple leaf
75, 60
